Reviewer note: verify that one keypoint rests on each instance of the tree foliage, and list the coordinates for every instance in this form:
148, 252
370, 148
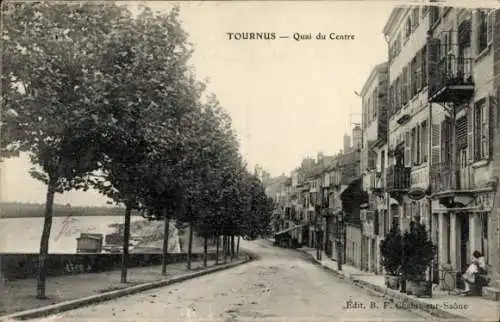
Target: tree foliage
391, 252
100, 98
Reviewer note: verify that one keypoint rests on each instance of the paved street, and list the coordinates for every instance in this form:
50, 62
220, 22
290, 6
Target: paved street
283, 285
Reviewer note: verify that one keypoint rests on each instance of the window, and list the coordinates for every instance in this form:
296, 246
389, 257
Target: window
382, 166
408, 29
419, 145
375, 101
397, 92
414, 146
482, 30
404, 86
423, 58
416, 17
414, 77
395, 217
481, 130
424, 138
446, 140
392, 101
434, 15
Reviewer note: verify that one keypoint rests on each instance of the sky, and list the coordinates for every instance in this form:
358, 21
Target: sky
288, 99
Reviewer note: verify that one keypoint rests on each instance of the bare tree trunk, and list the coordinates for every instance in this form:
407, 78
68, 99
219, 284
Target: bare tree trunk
205, 251
238, 248
190, 246
44, 242
217, 245
233, 253
224, 246
166, 231
126, 238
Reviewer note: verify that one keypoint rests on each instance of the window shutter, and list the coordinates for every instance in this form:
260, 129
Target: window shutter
432, 60
419, 71
419, 145
493, 117
487, 127
489, 27
470, 133
435, 144
407, 154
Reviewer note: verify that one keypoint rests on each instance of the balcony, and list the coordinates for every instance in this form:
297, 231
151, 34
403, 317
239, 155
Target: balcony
398, 178
450, 80
441, 180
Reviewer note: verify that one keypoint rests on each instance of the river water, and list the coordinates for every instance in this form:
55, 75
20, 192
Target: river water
22, 235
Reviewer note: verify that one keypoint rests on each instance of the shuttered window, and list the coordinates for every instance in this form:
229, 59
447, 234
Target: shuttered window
489, 27
416, 17
424, 141
482, 124
407, 153
482, 30
404, 86
435, 144
423, 59
414, 145
397, 92
446, 141
461, 132
433, 54
413, 78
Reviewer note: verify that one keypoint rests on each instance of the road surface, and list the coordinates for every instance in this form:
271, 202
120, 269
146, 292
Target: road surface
283, 285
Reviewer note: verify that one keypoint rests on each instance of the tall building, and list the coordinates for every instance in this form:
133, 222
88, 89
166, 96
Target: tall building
347, 143
375, 217
442, 118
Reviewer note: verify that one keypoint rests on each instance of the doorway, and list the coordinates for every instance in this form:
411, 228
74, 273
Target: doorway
464, 241
374, 256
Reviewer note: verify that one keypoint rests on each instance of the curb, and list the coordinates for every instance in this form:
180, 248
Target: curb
94, 299
394, 296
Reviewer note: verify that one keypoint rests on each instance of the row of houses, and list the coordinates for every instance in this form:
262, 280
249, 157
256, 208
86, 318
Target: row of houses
427, 148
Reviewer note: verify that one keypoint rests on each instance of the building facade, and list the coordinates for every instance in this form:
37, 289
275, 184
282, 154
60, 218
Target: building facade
462, 95
374, 215
441, 125
428, 148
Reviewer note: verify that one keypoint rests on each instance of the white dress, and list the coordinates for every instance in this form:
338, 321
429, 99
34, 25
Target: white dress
474, 268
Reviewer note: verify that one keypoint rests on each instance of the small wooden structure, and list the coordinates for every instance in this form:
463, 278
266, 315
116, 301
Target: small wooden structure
89, 243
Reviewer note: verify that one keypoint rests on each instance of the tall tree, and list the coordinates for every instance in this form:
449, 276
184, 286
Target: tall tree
53, 93
157, 99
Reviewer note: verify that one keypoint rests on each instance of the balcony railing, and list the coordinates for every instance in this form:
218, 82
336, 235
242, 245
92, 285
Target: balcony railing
451, 80
441, 179
398, 178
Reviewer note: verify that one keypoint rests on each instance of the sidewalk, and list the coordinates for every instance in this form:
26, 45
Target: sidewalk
19, 295
441, 303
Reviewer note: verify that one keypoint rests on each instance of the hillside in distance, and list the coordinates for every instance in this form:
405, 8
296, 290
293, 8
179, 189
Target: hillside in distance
26, 210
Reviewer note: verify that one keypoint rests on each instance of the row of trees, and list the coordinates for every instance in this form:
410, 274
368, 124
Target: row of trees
104, 99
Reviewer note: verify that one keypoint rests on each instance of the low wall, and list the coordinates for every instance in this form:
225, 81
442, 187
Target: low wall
21, 266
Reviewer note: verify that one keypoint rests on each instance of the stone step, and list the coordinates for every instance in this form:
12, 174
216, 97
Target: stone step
491, 293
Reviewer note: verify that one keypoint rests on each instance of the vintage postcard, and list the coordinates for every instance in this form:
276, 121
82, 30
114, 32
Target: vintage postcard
250, 161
